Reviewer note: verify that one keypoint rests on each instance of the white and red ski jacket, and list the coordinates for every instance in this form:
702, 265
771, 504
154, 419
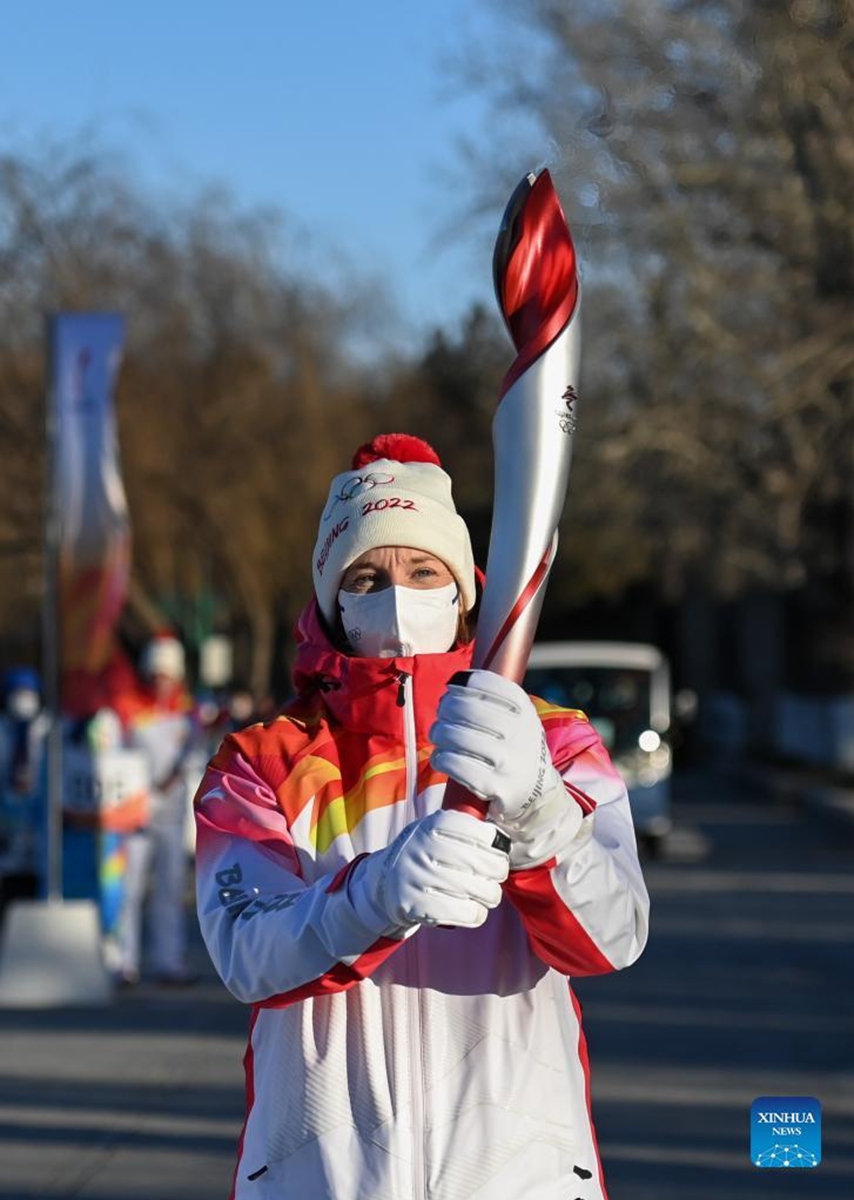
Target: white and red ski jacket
449, 1065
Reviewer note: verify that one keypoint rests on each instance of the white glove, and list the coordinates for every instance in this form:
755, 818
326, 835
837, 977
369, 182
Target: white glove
441, 870
489, 738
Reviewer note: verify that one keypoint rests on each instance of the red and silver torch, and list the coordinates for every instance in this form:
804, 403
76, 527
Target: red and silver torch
536, 283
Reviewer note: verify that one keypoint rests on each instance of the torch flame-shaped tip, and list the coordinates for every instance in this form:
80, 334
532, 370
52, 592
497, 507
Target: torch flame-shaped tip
535, 270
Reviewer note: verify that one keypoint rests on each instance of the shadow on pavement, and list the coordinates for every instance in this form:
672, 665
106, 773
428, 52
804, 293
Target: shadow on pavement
740, 993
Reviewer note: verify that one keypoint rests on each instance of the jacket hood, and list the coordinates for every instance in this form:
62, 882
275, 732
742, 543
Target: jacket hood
365, 694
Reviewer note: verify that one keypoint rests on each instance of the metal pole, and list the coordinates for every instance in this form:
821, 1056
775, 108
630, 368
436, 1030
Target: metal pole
50, 629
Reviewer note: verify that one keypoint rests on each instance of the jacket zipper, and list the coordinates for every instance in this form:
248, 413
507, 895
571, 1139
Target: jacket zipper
410, 744
419, 1187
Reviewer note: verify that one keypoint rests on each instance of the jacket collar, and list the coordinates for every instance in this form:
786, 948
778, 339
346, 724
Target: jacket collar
362, 694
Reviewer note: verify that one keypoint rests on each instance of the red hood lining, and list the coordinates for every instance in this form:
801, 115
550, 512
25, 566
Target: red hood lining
362, 693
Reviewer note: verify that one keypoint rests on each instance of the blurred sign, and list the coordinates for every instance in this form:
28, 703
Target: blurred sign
107, 790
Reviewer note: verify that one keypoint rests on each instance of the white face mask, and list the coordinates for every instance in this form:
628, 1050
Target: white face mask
401, 621
23, 705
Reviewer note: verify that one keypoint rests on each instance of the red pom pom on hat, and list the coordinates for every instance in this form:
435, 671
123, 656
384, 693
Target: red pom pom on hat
399, 447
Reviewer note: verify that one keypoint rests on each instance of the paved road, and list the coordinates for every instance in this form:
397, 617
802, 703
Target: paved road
140, 1101
744, 991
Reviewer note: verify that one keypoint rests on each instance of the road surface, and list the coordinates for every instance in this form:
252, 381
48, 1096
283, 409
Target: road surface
745, 990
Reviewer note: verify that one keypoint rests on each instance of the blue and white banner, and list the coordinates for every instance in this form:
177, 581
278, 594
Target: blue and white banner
94, 536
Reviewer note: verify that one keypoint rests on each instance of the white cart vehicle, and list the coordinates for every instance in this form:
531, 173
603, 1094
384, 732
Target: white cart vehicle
624, 688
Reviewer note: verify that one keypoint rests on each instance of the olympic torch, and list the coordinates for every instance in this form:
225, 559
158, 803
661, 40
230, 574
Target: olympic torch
536, 284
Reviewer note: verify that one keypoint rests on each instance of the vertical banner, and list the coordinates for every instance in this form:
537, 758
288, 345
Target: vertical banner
93, 527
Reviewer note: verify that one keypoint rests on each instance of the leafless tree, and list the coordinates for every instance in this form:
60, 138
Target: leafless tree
705, 150
234, 400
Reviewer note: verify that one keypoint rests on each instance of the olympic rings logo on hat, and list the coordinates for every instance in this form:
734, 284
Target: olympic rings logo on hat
356, 486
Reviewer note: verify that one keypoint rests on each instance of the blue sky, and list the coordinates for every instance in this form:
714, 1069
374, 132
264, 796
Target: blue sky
341, 115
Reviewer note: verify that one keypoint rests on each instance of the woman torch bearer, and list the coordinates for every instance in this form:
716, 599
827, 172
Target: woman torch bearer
414, 1031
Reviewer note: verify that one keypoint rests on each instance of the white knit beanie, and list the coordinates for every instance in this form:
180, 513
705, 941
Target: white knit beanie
396, 495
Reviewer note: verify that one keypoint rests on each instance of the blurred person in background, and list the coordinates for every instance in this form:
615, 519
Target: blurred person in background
221, 714
123, 814
242, 710
413, 1031
162, 726
23, 782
